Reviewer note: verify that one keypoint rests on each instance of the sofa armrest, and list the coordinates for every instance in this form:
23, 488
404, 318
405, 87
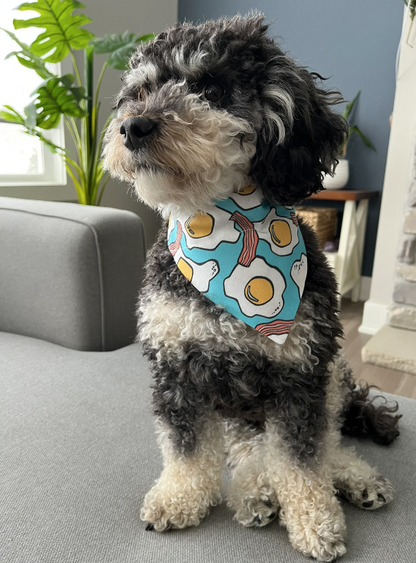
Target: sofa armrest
70, 273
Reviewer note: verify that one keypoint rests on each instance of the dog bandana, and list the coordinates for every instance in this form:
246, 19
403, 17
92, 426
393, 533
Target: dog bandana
246, 256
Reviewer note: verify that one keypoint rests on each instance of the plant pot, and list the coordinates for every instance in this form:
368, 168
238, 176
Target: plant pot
341, 176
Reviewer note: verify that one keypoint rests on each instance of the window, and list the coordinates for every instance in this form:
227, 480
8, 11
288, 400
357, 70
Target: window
24, 160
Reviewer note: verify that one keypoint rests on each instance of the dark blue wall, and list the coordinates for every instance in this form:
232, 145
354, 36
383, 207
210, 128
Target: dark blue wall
354, 43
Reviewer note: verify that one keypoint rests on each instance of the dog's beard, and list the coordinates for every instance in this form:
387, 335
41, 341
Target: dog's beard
197, 155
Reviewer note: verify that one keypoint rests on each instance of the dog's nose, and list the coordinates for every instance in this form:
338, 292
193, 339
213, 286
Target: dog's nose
134, 130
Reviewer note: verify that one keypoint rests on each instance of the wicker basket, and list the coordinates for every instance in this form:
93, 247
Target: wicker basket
321, 219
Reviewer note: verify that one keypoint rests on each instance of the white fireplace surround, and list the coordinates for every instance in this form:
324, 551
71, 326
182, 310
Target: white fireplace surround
398, 182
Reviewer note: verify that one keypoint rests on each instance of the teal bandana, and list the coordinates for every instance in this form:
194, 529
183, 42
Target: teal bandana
246, 256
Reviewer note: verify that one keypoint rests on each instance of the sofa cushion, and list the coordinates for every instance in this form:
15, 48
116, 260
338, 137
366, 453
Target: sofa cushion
78, 454
70, 273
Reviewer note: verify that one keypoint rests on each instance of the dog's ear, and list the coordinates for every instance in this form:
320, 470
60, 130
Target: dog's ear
301, 138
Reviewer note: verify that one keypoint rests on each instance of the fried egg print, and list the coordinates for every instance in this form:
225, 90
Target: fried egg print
279, 232
298, 273
208, 230
199, 275
258, 288
248, 198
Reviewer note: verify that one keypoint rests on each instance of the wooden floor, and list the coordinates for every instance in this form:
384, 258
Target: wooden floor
390, 381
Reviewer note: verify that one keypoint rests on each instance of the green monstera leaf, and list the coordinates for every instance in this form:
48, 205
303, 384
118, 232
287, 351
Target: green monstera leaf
27, 58
119, 46
62, 29
11, 115
57, 97
27, 120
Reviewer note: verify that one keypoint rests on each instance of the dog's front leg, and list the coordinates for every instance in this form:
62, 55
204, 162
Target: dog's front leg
191, 478
309, 508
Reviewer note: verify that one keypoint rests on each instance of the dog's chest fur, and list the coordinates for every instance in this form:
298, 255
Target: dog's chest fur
202, 357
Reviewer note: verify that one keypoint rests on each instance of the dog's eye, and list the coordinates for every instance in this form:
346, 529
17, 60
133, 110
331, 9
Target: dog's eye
213, 92
141, 95
118, 104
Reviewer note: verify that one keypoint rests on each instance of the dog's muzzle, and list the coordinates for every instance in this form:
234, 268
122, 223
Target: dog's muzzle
134, 130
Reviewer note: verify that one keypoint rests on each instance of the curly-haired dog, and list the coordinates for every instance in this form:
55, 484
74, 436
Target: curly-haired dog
206, 111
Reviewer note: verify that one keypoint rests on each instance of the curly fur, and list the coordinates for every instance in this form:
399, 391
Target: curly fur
187, 489
364, 417
276, 411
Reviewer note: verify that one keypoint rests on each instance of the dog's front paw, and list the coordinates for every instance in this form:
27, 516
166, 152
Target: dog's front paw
325, 543
370, 494
317, 532
166, 508
257, 510
251, 496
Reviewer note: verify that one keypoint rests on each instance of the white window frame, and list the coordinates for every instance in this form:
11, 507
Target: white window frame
54, 168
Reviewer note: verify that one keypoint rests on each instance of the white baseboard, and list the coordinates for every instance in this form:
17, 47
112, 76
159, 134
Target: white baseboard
375, 316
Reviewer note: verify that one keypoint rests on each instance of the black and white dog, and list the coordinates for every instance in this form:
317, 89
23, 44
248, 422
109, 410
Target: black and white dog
204, 112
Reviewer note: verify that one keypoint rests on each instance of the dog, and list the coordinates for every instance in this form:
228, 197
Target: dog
207, 112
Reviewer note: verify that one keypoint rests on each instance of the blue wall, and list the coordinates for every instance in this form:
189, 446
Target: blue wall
354, 43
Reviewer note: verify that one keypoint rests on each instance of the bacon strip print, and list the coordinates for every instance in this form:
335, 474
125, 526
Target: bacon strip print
275, 327
250, 239
294, 218
174, 246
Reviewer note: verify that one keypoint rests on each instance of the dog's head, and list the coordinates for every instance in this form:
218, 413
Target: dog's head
206, 110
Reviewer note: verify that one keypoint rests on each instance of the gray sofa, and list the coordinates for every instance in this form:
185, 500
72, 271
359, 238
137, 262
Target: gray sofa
77, 447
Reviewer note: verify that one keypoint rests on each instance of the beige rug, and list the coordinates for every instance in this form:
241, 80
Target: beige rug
393, 348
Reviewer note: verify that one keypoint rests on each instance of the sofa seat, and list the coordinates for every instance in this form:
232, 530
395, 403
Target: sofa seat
78, 453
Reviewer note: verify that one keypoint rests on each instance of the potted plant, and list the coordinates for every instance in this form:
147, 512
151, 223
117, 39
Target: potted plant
71, 97
341, 175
